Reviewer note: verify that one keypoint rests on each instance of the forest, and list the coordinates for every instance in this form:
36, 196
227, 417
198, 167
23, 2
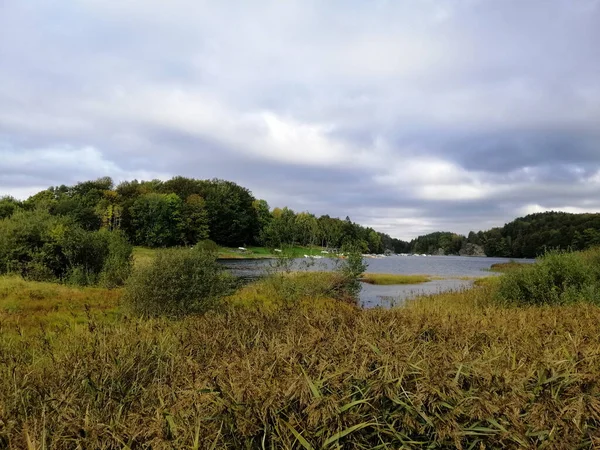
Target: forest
525, 237
183, 211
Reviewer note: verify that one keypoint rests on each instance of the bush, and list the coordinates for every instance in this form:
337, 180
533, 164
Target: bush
556, 278
177, 282
42, 247
351, 270
208, 246
119, 262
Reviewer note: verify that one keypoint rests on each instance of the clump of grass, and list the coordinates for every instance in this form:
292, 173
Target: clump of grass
507, 266
389, 278
556, 278
290, 289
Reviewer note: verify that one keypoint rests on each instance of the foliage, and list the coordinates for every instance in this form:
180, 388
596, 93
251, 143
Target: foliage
232, 217
43, 247
351, 269
183, 211
8, 205
533, 235
556, 278
157, 220
445, 243
194, 221
177, 282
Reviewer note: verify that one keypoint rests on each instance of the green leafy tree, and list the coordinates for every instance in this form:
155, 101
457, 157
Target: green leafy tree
264, 218
231, 215
8, 205
156, 219
194, 220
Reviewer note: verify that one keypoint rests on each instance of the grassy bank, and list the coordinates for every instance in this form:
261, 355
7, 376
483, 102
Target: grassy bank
143, 254
449, 371
391, 278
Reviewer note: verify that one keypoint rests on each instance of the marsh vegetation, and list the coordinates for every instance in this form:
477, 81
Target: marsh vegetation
291, 362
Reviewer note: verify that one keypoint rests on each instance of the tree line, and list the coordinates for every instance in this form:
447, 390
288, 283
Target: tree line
524, 237
184, 211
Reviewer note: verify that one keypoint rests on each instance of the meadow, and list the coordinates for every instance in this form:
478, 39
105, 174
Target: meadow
290, 362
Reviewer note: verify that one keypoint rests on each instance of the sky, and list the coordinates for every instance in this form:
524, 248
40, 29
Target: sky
410, 116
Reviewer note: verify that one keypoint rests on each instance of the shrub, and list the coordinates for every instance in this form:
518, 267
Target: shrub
177, 282
351, 270
208, 246
42, 247
119, 262
556, 278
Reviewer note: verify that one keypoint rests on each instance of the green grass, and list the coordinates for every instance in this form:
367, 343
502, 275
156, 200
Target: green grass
389, 279
263, 252
143, 255
27, 306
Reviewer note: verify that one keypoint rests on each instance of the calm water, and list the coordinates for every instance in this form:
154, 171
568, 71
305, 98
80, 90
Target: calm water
451, 268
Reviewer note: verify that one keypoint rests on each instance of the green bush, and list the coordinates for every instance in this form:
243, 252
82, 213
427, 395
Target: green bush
119, 261
208, 246
351, 270
556, 278
177, 282
42, 247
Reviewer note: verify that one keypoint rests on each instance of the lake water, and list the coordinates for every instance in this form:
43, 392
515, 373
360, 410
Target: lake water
450, 268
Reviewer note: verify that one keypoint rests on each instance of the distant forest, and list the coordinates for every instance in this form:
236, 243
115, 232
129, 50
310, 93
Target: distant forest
184, 211
525, 237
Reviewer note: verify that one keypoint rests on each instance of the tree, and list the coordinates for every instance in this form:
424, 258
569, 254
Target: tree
157, 220
264, 218
194, 220
8, 205
231, 215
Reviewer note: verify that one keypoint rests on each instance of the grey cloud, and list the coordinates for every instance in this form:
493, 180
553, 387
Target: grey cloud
312, 104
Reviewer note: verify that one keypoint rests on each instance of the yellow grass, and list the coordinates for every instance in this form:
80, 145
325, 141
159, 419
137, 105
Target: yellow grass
30, 305
447, 371
389, 278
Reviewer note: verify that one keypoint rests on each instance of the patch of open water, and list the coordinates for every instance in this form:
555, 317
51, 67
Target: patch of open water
450, 268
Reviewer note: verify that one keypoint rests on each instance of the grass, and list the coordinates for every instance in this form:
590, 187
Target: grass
143, 255
263, 252
453, 370
27, 306
389, 278
507, 266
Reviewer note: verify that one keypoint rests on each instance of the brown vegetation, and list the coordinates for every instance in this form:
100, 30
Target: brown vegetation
446, 371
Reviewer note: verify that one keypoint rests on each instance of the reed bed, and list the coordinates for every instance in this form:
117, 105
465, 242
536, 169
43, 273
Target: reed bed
449, 371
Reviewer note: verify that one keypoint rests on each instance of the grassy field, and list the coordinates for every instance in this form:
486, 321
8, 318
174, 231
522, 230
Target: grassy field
390, 278
142, 254
449, 371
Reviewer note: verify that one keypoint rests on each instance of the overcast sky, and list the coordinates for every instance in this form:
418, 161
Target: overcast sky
410, 116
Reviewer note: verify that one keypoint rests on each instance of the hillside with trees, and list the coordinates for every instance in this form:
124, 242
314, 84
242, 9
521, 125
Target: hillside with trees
184, 211
525, 237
